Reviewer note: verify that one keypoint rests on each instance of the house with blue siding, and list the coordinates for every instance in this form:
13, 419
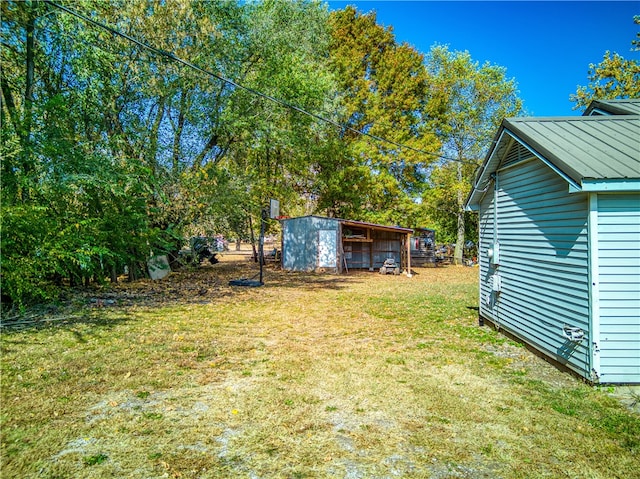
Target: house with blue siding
558, 203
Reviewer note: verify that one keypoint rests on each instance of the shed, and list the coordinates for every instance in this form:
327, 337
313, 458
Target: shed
559, 238
317, 243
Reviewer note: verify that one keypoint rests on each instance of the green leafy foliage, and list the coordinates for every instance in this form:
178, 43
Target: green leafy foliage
614, 77
467, 103
95, 459
113, 152
383, 92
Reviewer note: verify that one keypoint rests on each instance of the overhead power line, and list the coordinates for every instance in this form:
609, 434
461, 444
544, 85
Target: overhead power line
253, 91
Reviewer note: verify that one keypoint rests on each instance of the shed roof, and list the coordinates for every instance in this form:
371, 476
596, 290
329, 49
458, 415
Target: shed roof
585, 150
628, 106
374, 226
356, 223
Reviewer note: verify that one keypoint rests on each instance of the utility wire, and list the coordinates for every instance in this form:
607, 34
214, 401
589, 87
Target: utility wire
171, 56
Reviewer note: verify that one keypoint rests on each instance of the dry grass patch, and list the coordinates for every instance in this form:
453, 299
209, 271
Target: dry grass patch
358, 376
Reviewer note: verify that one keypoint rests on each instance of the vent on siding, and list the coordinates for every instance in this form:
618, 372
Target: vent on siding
516, 153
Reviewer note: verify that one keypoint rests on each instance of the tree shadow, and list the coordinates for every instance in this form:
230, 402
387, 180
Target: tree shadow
107, 305
312, 280
70, 319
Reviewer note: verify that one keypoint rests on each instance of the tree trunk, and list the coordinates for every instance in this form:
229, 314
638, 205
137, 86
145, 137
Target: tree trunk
7, 99
118, 138
177, 136
30, 67
213, 140
152, 151
199, 159
253, 241
28, 96
459, 249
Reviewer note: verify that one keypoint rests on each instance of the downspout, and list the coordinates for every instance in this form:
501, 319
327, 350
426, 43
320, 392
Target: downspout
594, 288
496, 252
480, 317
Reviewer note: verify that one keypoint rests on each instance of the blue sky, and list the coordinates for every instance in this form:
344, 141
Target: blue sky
546, 46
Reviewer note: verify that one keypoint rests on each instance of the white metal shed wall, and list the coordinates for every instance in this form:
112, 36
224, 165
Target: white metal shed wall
302, 249
618, 275
543, 265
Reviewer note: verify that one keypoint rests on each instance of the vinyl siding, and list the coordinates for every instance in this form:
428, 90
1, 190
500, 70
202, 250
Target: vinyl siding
619, 287
542, 232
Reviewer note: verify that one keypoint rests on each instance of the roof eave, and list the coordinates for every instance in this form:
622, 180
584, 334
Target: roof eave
509, 130
612, 107
479, 186
374, 226
609, 185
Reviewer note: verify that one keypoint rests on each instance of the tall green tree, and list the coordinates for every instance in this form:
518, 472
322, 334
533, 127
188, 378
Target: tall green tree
383, 93
19, 54
614, 77
114, 150
288, 42
64, 189
467, 103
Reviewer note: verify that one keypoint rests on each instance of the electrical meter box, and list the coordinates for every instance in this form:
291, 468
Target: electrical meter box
494, 254
496, 283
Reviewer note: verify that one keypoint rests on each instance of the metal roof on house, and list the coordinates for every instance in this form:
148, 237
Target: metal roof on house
628, 106
596, 147
602, 150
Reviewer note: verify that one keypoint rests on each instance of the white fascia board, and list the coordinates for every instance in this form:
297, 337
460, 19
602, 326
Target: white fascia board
479, 188
594, 286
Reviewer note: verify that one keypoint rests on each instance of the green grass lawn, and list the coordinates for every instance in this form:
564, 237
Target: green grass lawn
311, 376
